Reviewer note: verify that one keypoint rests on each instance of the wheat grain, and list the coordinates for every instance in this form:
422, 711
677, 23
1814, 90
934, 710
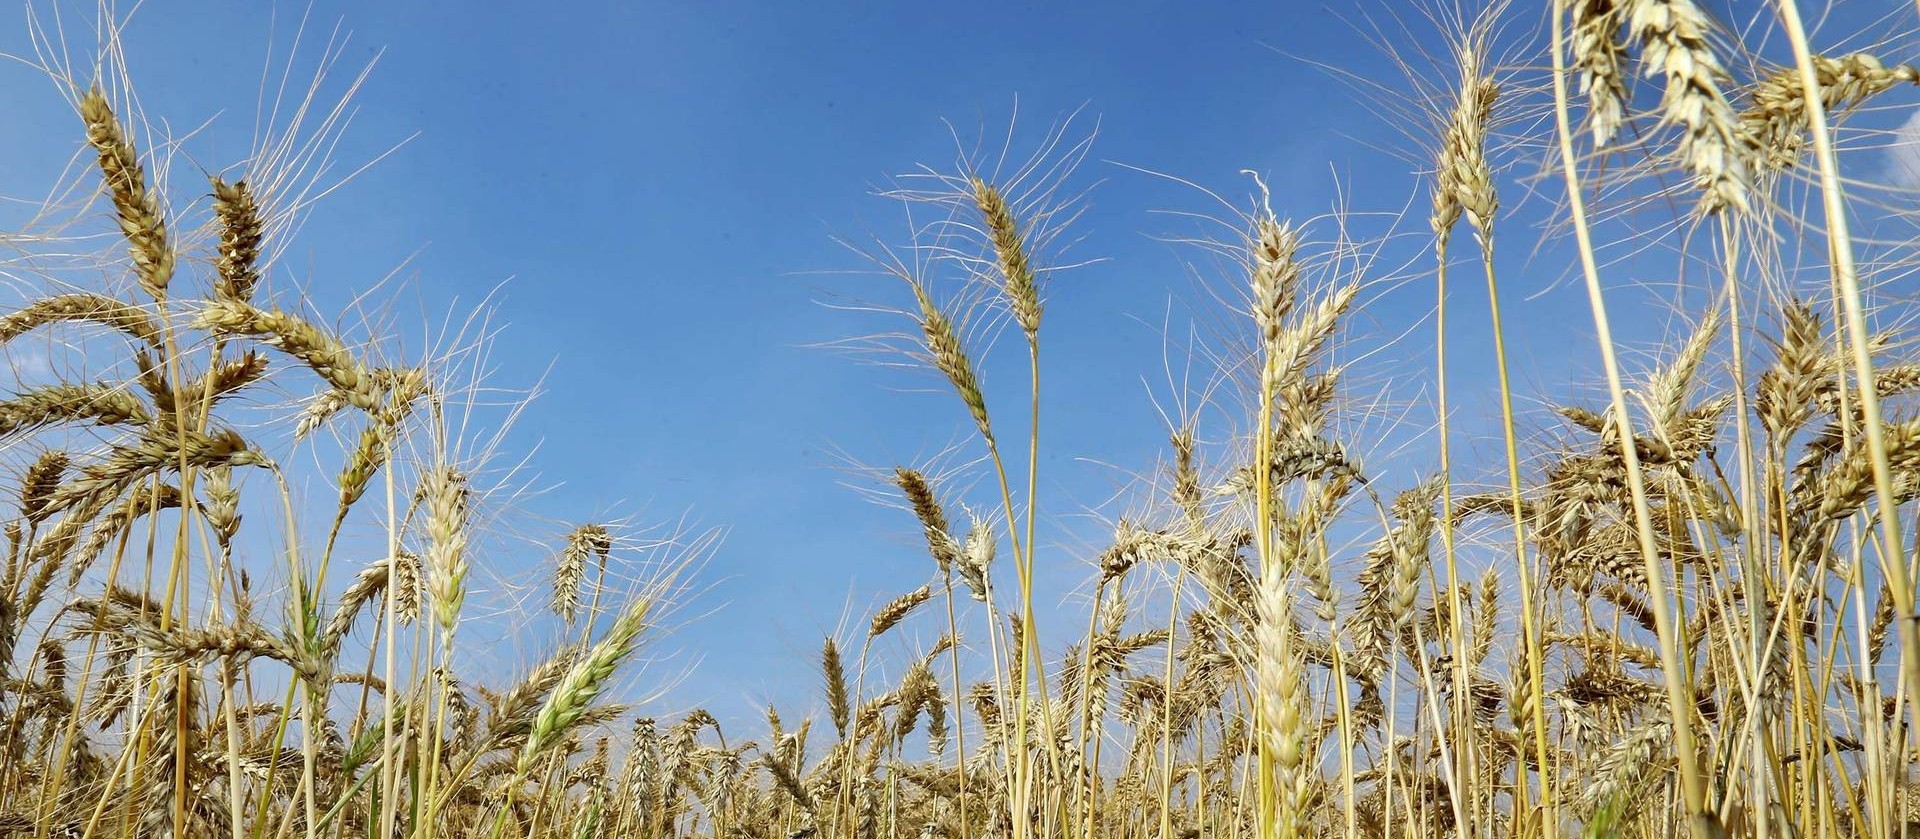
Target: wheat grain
575, 692
240, 235
69, 403
37, 486
1601, 58
1276, 275
446, 492
124, 317
1775, 124
1017, 278
950, 358
1463, 179
585, 541
135, 203
976, 557
838, 705
1675, 50
933, 520
295, 336
897, 610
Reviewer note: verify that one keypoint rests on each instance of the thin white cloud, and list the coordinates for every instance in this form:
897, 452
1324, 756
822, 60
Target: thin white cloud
1903, 158
29, 364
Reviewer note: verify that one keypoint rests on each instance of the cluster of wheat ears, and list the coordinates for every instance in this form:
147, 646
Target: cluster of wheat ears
1690, 610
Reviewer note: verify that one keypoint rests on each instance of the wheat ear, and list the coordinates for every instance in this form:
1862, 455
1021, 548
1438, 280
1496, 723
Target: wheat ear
134, 202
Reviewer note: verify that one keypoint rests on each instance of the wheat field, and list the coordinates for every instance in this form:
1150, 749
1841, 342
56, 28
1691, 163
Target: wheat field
1684, 608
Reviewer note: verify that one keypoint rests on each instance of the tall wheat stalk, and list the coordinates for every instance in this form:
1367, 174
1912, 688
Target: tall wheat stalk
1679, 698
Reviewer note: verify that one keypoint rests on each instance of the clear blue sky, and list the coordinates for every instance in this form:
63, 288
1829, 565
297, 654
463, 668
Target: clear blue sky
657, 184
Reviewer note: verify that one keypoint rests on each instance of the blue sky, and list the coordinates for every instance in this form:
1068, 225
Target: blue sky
654, 189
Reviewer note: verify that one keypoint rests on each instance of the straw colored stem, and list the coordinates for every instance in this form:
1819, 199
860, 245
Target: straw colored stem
1679, 699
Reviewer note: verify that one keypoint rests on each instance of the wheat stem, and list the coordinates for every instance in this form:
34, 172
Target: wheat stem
1679, 700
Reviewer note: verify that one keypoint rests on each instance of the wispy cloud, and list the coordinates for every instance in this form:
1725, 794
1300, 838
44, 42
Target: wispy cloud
1903, 157
29, 364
